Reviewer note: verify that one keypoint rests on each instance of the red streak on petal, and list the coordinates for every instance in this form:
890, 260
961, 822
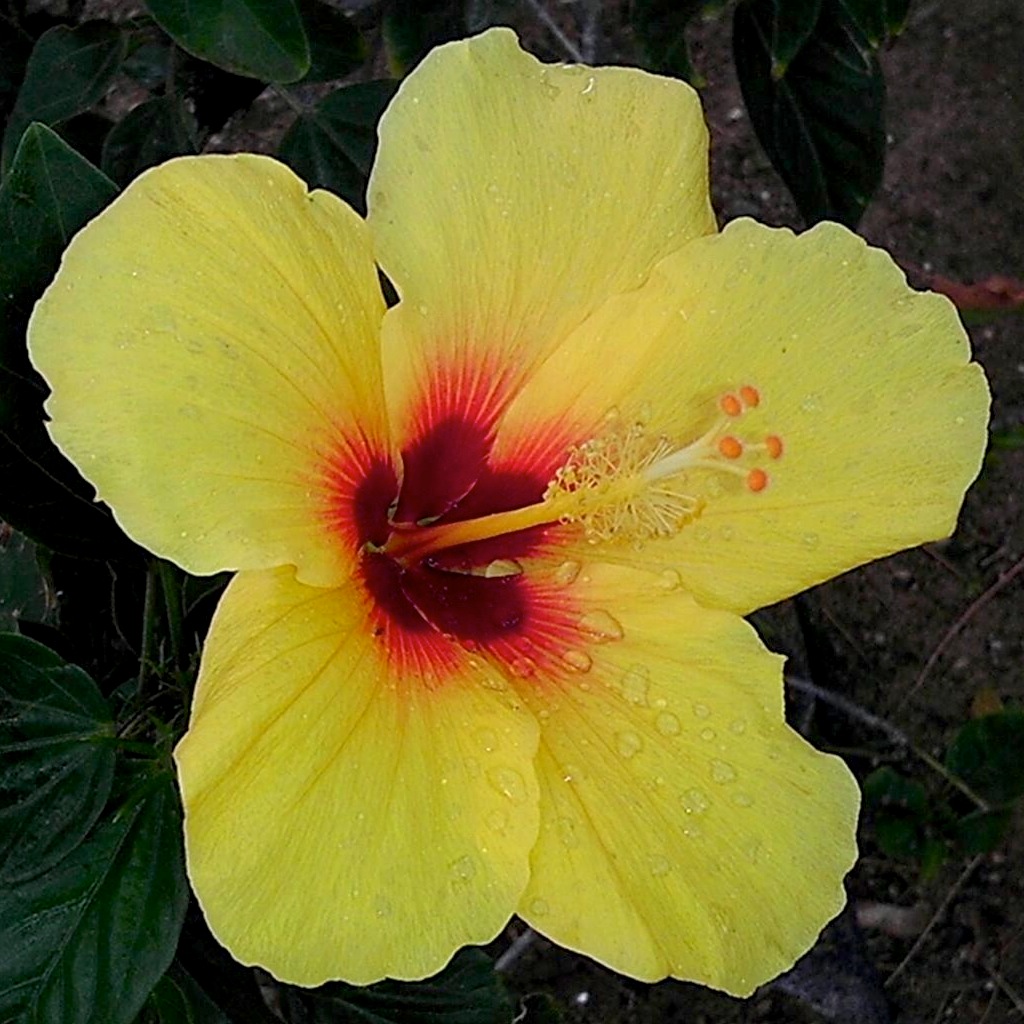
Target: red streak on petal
452, 435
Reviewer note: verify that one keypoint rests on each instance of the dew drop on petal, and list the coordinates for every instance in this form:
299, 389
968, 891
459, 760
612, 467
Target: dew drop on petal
742, 799
811, 540
509, 783
539, 907
502, 567
722, 772
635, 684
524, 668
462, 869
669, 579
578, 661
567, 572
695, 801
667, 724
660, 866
497, 820
628, 744
707, 735
487, 739
600, 626
567, 833
738, 726
701, 710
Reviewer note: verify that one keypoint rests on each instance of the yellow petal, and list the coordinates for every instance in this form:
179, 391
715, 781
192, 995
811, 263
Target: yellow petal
212, 342
685, 830
343, 818
508, 199
865, 384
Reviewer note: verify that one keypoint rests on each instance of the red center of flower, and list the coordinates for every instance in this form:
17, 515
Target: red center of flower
427, 611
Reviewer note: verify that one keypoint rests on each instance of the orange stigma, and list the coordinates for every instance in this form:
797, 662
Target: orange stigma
730, 447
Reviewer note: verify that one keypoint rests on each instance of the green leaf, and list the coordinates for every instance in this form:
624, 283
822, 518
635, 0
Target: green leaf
877, 20
982, 831
150, 133
178, 999
259, 38
822, 123
25, 592
48, 194
336, 46
332, 146
900, 812
70, 70
467, 991
986, 754
410, 30
86, 942
792, 24
660, 28
56, 758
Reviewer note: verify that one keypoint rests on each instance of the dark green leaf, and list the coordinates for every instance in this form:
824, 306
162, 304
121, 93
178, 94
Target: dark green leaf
178, 999
410, 30
152, 132
259, 38
86, 942
660, 28
48, 194
792, 24
333, 145
70, 69
25, 592
877, 20
900, 812
886, 787
467, 991
982, 831
336, 47
821, 123
56, 758
986, 754
934, 853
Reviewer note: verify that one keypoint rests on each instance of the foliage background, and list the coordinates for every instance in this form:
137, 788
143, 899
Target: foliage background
910, 667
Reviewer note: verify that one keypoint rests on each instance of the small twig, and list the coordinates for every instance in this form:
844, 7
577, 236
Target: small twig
1011, 993
148, 626
954, 889
895, 734
588, 36
553, 27
520, 944
1004, 580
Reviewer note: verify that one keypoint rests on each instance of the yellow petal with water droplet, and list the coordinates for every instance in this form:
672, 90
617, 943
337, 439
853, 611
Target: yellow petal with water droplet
862, 419
317, 793
484, 240
209, 339
680, 845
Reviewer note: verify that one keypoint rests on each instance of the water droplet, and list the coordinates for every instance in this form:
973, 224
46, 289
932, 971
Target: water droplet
524, 668
695, 801
579, 661
462, 869
571, 773
567, 572
811, 403
628, 744
589, 88
670, 579
539, 907
600, 626
702, 710
383, 906
707, 735
487, 739
567, 833
742, 799
728, 533
660, 866
422, 307
752, 851
738, 726
667, 724
811, 540
722, 772
509, 783
497, 820
702, 533
635, 684
959, 421
501, 567
692, 832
